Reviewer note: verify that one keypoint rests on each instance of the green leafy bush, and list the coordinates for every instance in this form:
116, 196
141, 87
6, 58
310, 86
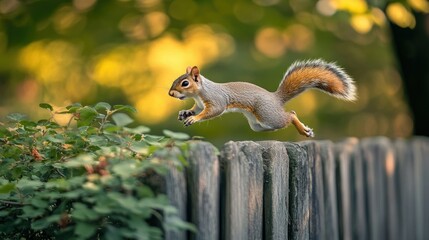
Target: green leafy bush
94, 178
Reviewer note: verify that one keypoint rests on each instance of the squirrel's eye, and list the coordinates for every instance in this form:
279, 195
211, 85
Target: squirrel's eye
185, 83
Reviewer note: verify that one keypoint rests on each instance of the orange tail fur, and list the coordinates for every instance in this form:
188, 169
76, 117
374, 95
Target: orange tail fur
318, 74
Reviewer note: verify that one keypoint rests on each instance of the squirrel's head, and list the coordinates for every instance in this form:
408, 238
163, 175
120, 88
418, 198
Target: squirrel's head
187, 85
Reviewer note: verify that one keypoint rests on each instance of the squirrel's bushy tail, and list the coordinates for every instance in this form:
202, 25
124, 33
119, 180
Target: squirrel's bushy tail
318, 74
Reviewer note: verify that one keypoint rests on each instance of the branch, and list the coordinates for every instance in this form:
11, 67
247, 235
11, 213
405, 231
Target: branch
12, 203
59, 172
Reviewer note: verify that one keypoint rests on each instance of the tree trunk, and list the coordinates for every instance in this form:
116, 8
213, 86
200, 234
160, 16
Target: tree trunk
412, 50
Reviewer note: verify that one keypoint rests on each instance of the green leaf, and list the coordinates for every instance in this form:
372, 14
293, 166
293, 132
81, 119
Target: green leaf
102, 106
7, 188
82, 212
157, 203
145, 192
52, 195
59, 183
74, 105
28, 124
31, 212
140, 147
110, 128
76, 181
87, 130
16, 117
121, 119
125, 169
198, 138
127, 203
57, 138
153, 140
112, 233
39, 203
87, 115
73, 194
46, 106
71, 110
177, 223
114, 138
176, 135
28, 184
40, 224
4, 132
98, 140
45, 222
137, 130
4, 213
80, 160
126, 108
85, 230
103, 209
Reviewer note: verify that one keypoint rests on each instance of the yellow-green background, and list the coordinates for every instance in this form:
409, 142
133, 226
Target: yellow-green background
130, 51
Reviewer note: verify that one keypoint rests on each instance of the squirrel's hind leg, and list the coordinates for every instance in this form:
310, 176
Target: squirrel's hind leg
302, 129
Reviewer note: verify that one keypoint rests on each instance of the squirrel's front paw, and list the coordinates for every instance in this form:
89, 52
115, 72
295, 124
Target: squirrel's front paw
308, 132
189, 121
184, 114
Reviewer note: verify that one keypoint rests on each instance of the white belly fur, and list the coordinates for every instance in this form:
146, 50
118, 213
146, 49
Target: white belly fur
250, 117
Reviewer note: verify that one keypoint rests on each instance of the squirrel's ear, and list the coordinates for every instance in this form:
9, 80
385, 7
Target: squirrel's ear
195, 72
188, 70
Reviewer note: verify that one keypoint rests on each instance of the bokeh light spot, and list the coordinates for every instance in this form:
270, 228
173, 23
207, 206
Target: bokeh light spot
269, 41
84, 5
401, 16
419, 5
361, 23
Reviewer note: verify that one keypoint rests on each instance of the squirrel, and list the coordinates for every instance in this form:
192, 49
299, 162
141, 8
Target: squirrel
263, 109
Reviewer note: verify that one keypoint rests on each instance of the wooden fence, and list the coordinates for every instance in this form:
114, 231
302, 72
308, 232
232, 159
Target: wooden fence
355, 189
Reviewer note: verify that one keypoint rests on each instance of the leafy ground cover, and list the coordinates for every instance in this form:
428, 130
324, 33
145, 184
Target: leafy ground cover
88, 179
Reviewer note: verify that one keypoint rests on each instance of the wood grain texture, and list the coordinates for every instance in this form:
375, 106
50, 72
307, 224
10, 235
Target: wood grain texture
374, 153
330, 190
203, 186
316, 192
352, 191
420, 192
175, 187
407, 211
373, 188
243, 166
424, 142
299, 205
276, 190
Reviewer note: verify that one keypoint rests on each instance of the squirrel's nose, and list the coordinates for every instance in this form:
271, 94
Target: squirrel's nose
171, 93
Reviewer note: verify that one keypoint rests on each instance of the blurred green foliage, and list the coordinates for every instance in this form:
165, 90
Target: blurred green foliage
98, 180
130, 51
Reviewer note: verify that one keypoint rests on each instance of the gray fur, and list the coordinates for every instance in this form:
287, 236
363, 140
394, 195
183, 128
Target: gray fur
263, 109
266, 104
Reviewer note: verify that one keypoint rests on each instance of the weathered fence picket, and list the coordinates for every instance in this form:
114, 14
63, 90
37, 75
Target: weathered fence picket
315, 190
175, 188
326, 149
244, 178
299, 198
276, 194
203, 187
407, 211
356, 189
